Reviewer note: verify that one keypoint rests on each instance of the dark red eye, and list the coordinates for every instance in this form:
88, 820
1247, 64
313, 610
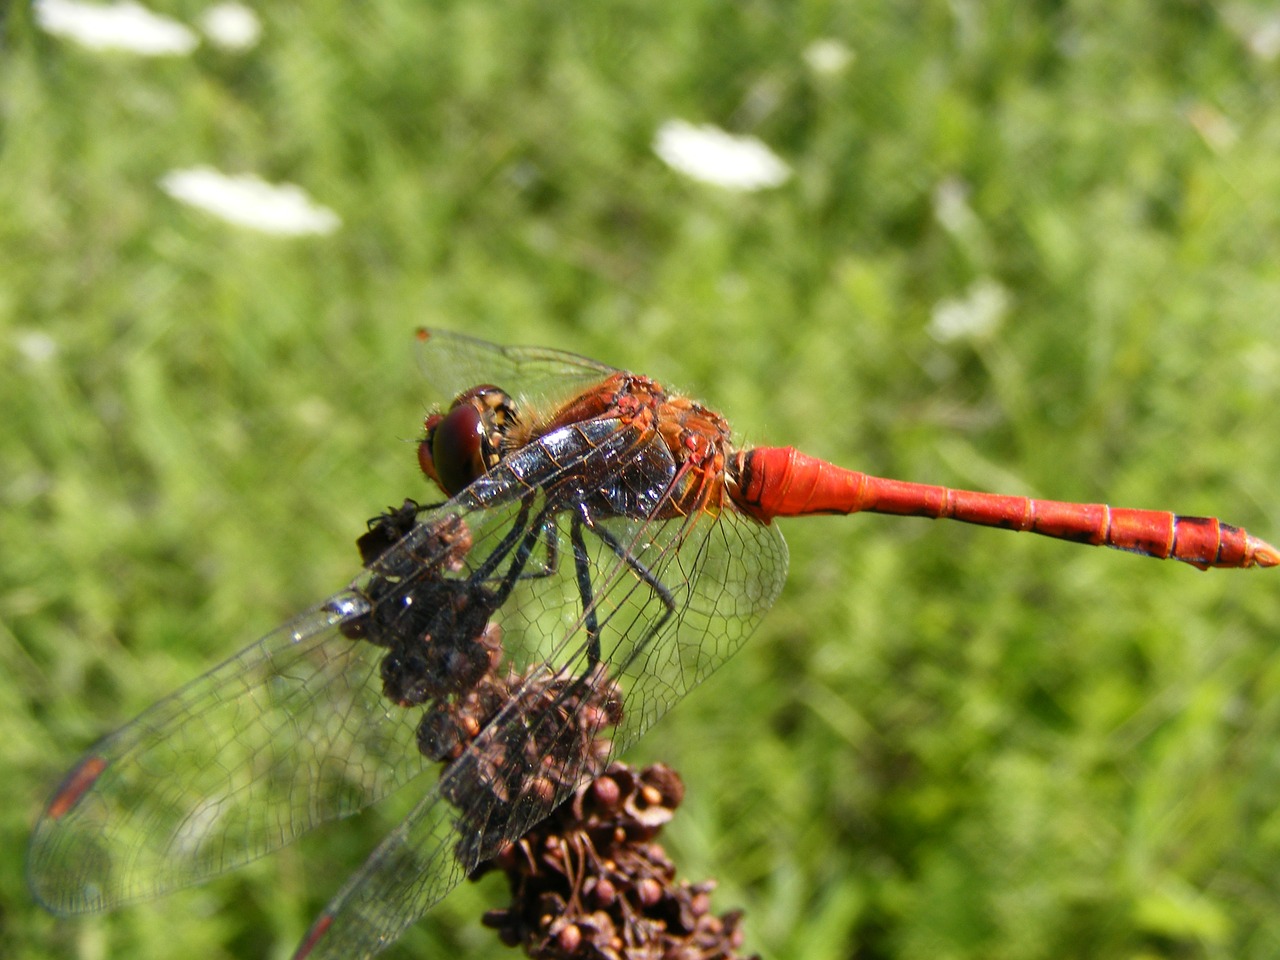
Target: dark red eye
426, 459
467, 440
453, 452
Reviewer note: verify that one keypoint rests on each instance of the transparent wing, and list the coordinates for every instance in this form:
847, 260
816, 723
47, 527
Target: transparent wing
670, 598
521, 635
290, 732
540, 379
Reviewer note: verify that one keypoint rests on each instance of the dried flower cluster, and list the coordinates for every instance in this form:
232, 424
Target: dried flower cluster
587, 881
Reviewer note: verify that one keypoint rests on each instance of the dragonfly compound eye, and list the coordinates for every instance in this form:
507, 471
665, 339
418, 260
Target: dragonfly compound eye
464, 443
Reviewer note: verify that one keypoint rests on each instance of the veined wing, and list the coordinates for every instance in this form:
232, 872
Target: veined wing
288, 733
538, 378
295, 730
670, 598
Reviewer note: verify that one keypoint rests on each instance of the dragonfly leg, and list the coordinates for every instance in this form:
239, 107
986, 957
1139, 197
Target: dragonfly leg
519, 528
645, 576
543, 527
550, 543
532, 534
582, 569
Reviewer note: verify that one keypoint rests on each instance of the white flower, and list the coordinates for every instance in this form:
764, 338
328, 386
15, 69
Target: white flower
1258, 27
709, 154
951, 206
827, 56
124, 26
976, 315
36, 346
248, 201
231, 26
1264, 41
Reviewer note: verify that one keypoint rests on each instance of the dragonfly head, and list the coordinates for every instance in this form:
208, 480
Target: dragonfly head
467, 440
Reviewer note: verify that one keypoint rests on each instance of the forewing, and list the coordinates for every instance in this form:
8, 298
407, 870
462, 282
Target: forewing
671, 598
291, 732
288, 733
538, 378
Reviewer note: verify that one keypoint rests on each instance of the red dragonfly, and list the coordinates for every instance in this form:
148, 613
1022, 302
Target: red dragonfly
603, 548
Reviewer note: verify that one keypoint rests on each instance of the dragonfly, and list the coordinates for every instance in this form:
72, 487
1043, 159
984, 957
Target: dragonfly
602, 547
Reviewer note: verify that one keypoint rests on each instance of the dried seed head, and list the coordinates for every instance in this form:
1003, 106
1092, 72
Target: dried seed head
598, 889
569, 938
648, 891
605, 892
587, 881
606, 792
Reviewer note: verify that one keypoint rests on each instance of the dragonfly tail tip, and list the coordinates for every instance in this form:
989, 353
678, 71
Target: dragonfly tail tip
1264, 554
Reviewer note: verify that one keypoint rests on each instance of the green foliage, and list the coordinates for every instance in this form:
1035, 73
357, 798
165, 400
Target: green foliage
944, 743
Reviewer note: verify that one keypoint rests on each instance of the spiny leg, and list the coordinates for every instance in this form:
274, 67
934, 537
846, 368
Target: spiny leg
505, 545
532, 534
582, 569
645, 576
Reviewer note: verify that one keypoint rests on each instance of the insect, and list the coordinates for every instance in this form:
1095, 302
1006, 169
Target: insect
603, 547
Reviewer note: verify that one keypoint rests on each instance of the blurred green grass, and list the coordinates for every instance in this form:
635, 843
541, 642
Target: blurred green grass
943, 743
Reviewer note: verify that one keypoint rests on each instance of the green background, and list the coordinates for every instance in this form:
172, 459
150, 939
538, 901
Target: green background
944, 742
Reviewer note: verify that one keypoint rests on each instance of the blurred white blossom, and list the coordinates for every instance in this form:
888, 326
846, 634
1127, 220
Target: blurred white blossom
36, 346
974, 316
1257, 26
248, 201
124, 26
1264, 41
951, 206
953, 211
713, 156
231, 26
827, 56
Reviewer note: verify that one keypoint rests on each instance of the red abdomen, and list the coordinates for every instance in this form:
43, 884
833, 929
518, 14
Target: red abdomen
782, 482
